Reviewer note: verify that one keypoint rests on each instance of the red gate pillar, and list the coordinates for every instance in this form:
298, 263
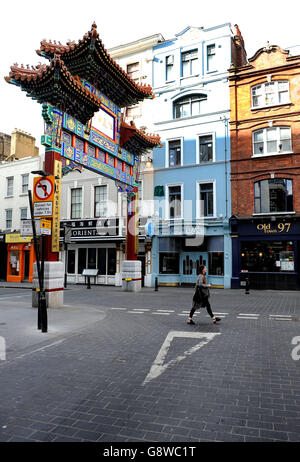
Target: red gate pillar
131, 229
132, 267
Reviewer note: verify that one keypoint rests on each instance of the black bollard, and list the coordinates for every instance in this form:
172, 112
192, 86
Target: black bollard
44, 317
89, 282
247, 286
156, 285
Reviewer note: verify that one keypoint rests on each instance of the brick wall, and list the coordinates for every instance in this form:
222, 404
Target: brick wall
245, 169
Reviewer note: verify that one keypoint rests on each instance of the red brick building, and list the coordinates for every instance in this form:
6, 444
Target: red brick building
265, 169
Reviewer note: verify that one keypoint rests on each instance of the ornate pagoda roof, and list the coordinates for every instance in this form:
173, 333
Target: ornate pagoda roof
137, 141
91, 61
56, 85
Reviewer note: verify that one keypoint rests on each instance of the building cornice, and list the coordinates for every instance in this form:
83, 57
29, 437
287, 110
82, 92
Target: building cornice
137, 46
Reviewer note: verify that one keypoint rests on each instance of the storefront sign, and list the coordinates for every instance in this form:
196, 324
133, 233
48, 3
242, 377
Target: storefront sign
16, 238
268, 228
285, 228
91, 229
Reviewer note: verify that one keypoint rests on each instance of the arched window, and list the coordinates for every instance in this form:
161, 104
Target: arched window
189, 106
273, 195
270, 93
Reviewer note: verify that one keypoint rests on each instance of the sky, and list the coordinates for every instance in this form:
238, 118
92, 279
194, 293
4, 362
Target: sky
24, 23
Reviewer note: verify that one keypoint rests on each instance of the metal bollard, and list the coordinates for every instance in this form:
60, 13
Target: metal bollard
89, 282
247, 288
156, 285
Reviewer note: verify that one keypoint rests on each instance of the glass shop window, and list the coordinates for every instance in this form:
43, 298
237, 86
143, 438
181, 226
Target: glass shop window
216, 263
71, 262
91, 258
269, 256
169, 263
101, 261
112, 257
14, 263
81, 260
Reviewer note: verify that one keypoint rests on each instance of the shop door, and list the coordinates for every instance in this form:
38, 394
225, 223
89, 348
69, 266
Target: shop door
141, 258
3, 260
26, 264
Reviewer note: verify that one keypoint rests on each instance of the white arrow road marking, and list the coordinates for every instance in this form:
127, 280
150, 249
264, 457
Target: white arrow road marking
158, 367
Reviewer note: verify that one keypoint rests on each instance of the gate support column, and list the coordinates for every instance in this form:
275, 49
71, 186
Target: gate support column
132, 267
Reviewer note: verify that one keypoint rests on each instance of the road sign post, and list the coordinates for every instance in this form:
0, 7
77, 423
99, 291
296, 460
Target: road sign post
42, 307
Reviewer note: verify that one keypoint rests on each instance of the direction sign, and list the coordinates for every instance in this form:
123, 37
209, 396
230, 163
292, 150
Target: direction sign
43, 188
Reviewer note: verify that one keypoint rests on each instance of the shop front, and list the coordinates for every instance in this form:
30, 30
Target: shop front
100, 244
20, 258
180, 257
266, 251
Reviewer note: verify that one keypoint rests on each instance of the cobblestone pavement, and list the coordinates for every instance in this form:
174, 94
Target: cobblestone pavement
118, 366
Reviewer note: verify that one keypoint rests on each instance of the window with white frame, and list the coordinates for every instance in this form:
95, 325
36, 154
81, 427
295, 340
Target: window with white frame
211, 57
25, 183
189, 63
140, 202
206, 194
206, 148
273, 195
270, 93
101, 201
8, 218
174, 153
10, 186
174, 201
190, 106
140, 190
272, 140
76, 202
23, 213
169, 67
133, 71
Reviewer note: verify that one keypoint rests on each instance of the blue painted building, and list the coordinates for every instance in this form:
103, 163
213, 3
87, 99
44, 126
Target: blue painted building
192, 170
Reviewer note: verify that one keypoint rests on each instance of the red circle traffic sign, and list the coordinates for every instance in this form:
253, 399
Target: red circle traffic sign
43, 189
